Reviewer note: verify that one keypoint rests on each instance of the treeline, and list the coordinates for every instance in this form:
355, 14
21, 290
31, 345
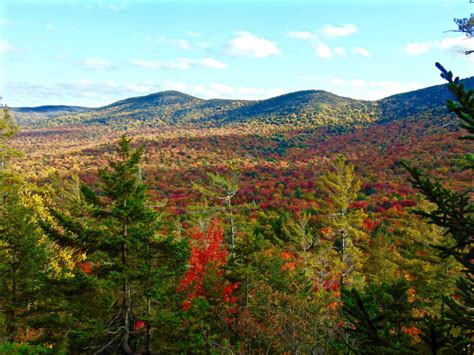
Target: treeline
102, 268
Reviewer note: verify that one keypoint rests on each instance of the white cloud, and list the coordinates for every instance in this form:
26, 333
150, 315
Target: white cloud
303, 35
370, 90
361, 51
157, 64
175, 85
111, 83
193, 34
246, 44
96, 64
50, 27
180, 64
85, 82
339, 51
172, 42
8, 47
211, 63
355, 83
339, 31
459, 43
140, 88
203, 45
84, 92
323, 50
223, 91
418, 48
183, 44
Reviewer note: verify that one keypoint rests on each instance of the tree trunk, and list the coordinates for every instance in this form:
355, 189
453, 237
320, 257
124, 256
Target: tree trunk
125, 297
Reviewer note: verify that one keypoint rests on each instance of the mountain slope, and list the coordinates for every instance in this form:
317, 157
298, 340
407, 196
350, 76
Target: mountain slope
427, 101
313, 107
30, 115
166, 107
302, 108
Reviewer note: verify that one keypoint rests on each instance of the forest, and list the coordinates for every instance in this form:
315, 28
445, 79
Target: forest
248, 238
308, 223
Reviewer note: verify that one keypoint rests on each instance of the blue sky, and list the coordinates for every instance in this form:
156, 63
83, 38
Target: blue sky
92, 53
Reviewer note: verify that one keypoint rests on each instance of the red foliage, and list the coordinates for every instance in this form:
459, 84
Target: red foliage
412, 331
369, 224
360, 205
139, 324
87, 266
208, 256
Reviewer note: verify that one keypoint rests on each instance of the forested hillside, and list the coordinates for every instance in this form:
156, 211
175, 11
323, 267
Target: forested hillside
275, 233
34, 116
303, 108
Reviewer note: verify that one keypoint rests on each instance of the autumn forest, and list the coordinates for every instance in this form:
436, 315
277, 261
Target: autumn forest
308, 223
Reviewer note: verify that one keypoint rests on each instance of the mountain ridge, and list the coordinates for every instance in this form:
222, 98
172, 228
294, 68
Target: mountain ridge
304, 107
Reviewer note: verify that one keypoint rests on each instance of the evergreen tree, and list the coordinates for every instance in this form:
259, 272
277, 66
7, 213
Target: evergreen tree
8, 129
454, 211
343, 225
125, 277
24, 262
128, 244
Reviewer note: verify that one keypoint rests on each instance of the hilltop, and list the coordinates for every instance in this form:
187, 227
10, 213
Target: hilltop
301, 108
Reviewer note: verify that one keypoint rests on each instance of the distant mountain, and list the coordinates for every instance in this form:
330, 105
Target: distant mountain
427, 101
310, 107
26, 116
167, 107
306, 107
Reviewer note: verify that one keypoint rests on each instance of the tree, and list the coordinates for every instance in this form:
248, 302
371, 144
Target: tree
223, 189
466, 26
342, 224
8, 129
128, 242
24, 262
454, 211
125, 272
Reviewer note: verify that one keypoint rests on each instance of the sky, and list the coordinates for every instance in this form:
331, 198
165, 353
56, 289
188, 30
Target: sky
92, 53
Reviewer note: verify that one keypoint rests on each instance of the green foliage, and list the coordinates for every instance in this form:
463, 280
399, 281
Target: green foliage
464, 108
97, 265
24, 258
454, 211
375, 318
311, 108
342, 223
8, 129
24, 349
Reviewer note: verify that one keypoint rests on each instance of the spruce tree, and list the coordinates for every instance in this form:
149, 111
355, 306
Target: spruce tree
454, 211
126, 276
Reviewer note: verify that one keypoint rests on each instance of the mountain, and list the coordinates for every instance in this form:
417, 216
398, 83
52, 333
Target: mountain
26, 116
162, 108
314, 107
301, 108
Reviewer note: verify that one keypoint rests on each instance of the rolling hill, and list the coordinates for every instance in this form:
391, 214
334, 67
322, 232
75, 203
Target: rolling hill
27, 116
301, 108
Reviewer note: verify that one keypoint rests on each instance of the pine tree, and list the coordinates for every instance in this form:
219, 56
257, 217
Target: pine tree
8, 129
125, 278
377, 318
454, 211
127, 245
343, 224
223, 188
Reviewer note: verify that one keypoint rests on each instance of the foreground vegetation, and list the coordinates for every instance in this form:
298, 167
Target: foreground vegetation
244, 239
